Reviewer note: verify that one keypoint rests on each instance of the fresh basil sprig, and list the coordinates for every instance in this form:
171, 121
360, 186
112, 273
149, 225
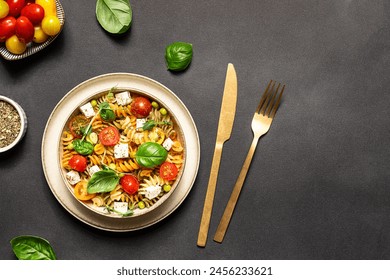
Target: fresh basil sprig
150, 154
114, 16
152, 123
103, 181
106, 112
178, 56
82, 147
28, 247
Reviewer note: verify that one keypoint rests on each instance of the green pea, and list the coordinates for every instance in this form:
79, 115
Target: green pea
93, 103
70, 146
155, 105
167, 188
163, 111
141, 205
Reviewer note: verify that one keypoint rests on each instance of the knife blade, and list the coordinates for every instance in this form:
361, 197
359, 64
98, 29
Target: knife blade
225, 126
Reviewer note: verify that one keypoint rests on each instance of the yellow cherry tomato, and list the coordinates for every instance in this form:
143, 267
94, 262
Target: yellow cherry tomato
14, 45
51, 25
81, 192
49, 6
4, 9
39, 35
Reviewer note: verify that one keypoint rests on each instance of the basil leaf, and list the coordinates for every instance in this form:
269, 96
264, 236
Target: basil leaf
103, 181
106, 112
28, 247
82, 147
114, 15
149, 125
150, 154
86, 130
108, 115
178, 56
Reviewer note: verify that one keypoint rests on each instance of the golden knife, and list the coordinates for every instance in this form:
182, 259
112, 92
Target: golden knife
225, 125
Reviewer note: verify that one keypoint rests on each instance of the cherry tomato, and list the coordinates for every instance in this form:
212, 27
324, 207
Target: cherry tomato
129, 184
4, 9
24, 29
15, 7
81, 191
7, 28
34, 13
39, 35
51, 25
141, 107
78, 163
76, 124
168, 171
109, 136
14, 45
50, 6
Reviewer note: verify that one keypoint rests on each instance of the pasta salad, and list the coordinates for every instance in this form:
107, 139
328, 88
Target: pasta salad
121, 152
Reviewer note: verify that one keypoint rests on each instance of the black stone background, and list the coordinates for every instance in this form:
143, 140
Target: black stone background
318, 187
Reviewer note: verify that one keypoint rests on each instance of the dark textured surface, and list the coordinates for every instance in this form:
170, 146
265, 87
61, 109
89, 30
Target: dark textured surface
318, 187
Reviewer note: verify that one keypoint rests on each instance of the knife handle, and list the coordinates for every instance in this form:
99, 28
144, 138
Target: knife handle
209, 200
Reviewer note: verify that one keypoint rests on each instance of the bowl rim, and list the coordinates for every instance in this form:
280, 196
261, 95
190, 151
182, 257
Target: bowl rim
23, 122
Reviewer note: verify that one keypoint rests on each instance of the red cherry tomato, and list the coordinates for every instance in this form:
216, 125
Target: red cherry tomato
78, 163
15, 7
7, 28
109, 136
168, 171
76, 124
129, 184
141, 107
34, 13
24, 29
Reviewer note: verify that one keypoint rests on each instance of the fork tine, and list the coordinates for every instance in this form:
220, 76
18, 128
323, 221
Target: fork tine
267, 99
271, 102
276, 105
263, 97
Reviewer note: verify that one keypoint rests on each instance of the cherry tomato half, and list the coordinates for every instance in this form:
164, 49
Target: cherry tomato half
15, 7
141, 107
168, 171
34, 13
109, 136
7, 28
81, 191
24, 29
78, 163
129, 184
76, 124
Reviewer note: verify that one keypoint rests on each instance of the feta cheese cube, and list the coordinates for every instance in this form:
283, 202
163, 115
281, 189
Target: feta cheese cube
121, 151
87, 110
151, 192
167, 144
123, 98
73, 177
140, 123
121, 207
93, 169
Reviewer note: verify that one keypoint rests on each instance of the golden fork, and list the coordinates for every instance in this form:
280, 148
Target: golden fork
261, 123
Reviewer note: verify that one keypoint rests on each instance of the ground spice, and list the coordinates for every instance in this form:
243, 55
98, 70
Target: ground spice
9, 124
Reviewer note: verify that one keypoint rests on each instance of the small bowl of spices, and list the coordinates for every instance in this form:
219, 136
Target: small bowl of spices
13, 123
